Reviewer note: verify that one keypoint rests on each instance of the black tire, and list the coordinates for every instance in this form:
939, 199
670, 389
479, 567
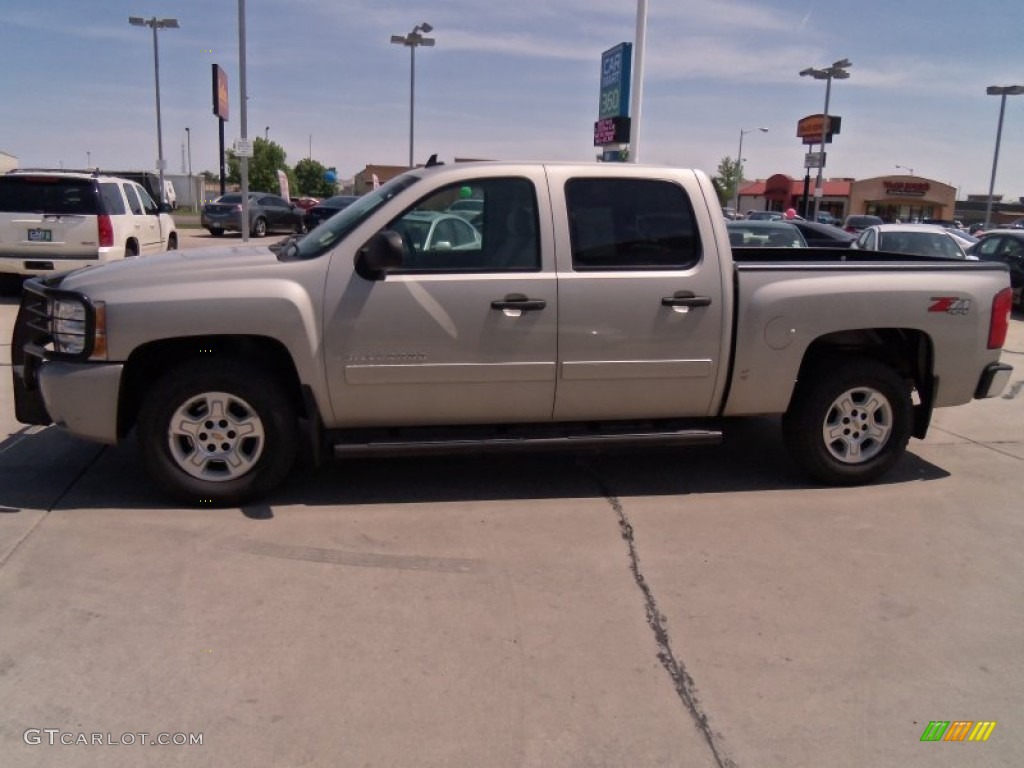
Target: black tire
131, 248
217, 232
849, 420
257, 429
172, 242
301, 227
259, 227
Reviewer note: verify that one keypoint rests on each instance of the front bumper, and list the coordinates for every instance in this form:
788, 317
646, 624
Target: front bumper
78, 395
993, 380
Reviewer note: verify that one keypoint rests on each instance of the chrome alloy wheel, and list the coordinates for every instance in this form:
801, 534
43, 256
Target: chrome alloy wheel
857, 425
216, 436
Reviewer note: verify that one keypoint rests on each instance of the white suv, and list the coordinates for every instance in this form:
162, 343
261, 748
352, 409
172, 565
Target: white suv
54, 221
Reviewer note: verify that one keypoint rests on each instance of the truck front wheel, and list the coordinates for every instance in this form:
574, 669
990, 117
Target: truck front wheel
217, 433
849, 421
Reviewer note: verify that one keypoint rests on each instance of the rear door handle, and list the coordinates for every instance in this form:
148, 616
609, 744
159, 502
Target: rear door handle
515, 304
681, 301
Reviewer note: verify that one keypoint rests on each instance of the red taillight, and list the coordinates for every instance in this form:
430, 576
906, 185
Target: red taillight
999, 324
851, 230
106, 230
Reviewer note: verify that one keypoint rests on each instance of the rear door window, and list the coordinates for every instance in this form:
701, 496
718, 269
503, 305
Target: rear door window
620, 224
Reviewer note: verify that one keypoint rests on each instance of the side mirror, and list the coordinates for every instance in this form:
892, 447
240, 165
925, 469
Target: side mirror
164, 207
384, 252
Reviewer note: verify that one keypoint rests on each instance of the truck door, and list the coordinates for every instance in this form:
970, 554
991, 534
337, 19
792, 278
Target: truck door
465, 331
641, 315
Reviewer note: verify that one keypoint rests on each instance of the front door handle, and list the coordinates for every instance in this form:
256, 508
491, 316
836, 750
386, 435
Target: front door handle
514, 304
683, 300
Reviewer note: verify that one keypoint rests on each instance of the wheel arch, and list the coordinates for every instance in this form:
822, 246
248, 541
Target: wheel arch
147, 364
908, 351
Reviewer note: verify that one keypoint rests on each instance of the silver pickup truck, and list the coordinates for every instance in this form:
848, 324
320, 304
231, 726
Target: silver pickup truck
567, 305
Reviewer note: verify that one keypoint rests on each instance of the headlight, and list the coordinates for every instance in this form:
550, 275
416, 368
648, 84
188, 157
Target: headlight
76, 328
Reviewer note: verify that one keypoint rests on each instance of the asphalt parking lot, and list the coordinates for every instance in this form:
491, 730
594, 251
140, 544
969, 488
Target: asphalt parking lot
692, 607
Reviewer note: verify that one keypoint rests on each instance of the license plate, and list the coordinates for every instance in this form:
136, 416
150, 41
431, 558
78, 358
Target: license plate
40, 235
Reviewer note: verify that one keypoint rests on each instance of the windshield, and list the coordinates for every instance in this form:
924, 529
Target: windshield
331, 231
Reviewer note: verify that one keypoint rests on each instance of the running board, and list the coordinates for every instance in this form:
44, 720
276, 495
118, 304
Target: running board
422, 441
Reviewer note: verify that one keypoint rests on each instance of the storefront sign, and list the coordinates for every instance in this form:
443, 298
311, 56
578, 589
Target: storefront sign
906, 188
809, 128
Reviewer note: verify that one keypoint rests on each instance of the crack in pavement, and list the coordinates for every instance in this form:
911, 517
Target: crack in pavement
683, 683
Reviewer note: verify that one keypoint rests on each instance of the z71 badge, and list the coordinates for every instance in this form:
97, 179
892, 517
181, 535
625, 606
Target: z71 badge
951, 305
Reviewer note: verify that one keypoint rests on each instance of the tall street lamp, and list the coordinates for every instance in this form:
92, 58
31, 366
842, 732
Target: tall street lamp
411, 41
905, 168
191, 187
155, 23
739, 164
838, 72
1003, 91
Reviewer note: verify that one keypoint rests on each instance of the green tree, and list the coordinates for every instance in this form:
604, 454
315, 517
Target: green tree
267, 158
728, 180
311, 180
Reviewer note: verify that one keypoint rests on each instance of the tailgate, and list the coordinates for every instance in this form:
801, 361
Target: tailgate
48, 236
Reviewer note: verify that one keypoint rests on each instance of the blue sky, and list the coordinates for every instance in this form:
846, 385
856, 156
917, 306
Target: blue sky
519, 80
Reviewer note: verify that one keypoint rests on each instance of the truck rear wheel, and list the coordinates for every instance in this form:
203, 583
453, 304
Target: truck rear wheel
849, 421
217, 433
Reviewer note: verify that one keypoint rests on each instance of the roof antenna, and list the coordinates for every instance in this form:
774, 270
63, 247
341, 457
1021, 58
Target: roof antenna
432, 161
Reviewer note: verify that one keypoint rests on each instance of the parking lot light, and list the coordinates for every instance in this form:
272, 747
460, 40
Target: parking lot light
411, 41
1003, 91
739, 164
155, 24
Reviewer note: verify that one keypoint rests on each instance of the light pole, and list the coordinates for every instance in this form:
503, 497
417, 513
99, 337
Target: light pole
266, 133
905, 168
837, 71
1003, 91
739, 164
191, 186
88, 159
155, 23
411, 41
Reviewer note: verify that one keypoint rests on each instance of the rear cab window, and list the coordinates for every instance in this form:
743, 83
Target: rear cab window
627, 224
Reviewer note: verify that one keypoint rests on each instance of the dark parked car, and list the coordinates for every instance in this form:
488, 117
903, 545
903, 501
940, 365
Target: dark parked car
764, 234
857, 224
1006, 246
823, 235
327, 208
764, 215
267, 213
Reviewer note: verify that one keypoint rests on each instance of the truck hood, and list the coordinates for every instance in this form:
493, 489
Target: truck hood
206, 265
